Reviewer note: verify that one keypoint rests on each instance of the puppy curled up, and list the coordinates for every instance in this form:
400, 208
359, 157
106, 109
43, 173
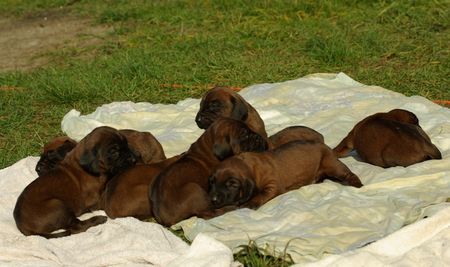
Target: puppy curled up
389, 139
146, 147
181, 190
251, 179
54, 200
127, 193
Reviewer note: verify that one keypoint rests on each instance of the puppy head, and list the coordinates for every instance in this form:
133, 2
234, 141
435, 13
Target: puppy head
53, 153
403, 116
231, 184
220, 102
105, 151
232, 137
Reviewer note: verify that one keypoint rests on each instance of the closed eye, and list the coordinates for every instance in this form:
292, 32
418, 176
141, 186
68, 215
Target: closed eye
232, 183
113, 152
214, 105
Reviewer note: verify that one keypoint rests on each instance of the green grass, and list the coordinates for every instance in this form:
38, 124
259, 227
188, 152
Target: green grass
251, 255
400, 45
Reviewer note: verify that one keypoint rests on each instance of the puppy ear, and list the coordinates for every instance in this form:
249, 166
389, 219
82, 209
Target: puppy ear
240, 111
222, 151
257, 143
89, 162
247, 191
250, 141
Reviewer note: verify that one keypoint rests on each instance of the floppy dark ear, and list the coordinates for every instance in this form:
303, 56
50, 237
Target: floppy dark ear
222, 151
62, 151
240, 111
248, 188
89, 162
253, 142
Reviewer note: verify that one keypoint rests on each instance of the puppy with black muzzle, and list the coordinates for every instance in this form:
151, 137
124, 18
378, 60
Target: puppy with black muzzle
389, 139
181, 190
221, 102
54, 200
146, 147
54, 152
251, 179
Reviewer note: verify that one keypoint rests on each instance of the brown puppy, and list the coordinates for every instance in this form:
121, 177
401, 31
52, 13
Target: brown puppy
144, 144
54, 200
223, 102
252, 179
53, 152
127, 194
181, 191
295, 133
389, 139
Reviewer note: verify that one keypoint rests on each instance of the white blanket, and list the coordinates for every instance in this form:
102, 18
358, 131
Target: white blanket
310, 224
125, 241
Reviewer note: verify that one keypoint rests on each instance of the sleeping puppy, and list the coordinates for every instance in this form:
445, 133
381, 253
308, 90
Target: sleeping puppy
251, 179
53, 152
223, 102
127, 194
54, 200
181, 190
145, 145
295, 133
389, 139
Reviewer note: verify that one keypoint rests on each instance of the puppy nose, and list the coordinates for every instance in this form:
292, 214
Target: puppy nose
214, 199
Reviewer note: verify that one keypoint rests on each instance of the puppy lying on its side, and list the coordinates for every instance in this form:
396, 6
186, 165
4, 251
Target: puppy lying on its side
295, 133
221, 102
389, 139
251, 179
54, 200
144, 144
181, 190
127, 193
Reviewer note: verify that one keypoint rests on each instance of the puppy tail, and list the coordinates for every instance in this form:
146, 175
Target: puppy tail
77, 227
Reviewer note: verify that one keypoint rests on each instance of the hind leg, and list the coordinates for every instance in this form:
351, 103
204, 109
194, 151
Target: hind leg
191, 200
337, 170
78, 226
55, 215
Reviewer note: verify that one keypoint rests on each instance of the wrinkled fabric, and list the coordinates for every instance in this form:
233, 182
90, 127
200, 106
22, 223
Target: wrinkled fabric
314, 222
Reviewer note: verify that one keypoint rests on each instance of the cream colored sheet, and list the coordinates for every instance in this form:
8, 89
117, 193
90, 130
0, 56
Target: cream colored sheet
119, 242
315, 221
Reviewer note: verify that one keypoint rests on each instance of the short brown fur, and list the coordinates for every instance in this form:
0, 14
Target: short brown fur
223, 102
251, 179
181, 190
389, 139
54, 200
127, 193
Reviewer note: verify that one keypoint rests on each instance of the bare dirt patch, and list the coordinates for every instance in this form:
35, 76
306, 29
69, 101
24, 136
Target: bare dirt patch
26, 42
